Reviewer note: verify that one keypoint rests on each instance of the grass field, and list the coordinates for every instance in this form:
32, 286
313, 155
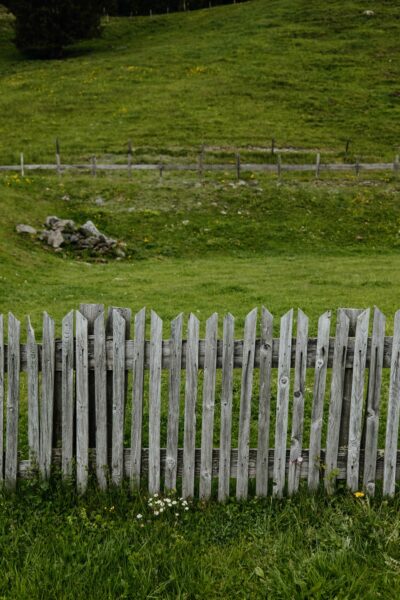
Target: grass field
312, 76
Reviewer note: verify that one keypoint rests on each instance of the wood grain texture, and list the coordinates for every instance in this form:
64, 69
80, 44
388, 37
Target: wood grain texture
68, 399
336, 399
393, 412
357, 401
118, 408
264, 402
296, 444
282, 404
47, 406
373, 401
137, 399
226, 408
155, 403
82, 403
100, 395
250, 329
13, 397
207, 427
189, 439
33, 395
1, 401
174, 403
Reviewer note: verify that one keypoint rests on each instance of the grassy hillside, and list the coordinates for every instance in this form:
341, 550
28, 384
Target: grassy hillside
308, 73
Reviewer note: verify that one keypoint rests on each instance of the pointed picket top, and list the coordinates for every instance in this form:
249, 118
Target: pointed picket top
13, 397
393, 413
32, 356
137, 399
171, 463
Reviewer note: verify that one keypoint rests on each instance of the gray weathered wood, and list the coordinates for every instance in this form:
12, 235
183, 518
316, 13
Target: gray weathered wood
155, 403
207, 427
1, 401
47, 406
171, 466
226, 408
353, 314
100, 393
282, 404
68, 407
33, 395
189, 441
137, 399
357, 401
373, 401
82, 403
117, 448
250, 329
13, 396
296, 445
393, 412
264, 402
336, 399
321, 364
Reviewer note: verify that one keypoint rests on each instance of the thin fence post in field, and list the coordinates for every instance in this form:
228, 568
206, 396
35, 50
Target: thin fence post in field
118, 354
47, 407
393, 411
68, 405
201, 160
100, 394
1, 401
296, 447
226, 408
22, 165
373, 401
13, 396
91, 312
264, 402
207, 428
336, 399
353, 314
282, 403
137, 399
130, 157
32, 359
357, 401
396, 164
279, 166
273, 146
171, 463
155, 402
317, 165
249, 348
189, 440
317, 411
58, 157
82, 403
238, 165
94, 166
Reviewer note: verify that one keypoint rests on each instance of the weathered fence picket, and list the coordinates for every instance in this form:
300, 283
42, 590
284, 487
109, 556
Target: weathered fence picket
90, 356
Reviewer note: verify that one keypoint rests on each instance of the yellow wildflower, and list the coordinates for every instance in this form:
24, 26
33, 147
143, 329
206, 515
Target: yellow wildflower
359, 494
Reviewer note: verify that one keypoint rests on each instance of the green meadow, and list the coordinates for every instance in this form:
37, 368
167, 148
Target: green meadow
310, 75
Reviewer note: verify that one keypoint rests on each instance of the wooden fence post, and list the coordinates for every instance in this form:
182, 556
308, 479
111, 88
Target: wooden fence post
1, 401
11, 462
238, 165
58, 157
130, 157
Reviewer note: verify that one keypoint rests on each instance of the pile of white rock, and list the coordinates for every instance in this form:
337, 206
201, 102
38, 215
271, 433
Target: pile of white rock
64, 233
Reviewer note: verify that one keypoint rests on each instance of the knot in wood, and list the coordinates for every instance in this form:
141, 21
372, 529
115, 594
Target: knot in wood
320, 363
284, 380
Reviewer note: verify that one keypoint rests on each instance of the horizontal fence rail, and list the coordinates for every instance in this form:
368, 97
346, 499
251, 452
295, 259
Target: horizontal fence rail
215, 412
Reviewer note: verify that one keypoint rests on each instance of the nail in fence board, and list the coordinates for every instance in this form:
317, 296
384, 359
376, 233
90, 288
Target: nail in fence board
335, 406
357, 401
155, 403
1, 401
118, 409
82, 403
171, 466
137, 399
100, 393
282, 404
250, 328
392, 423
298, 404
11, 463
264, 402
207, 429
189, 441
68, 406
226, 408
47, 407
321, 365
32, 357
373, 401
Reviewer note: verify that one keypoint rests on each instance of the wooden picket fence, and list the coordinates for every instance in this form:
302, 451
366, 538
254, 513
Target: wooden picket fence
77, 395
